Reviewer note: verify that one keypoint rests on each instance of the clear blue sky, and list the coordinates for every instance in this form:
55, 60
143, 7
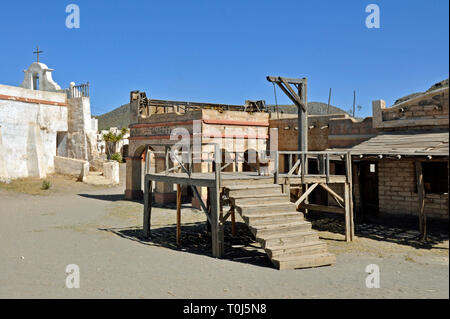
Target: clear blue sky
221, 51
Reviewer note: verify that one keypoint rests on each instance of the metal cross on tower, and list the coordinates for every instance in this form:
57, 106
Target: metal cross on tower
38, 52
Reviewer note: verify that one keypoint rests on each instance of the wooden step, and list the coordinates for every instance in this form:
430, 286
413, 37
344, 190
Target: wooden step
280, 230
255, 199
272, 218
296, 249
308, 261
289, 238
266, 207
240, 190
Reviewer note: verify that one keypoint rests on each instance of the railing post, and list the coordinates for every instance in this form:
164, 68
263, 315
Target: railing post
303, 156
217, 164
327, 167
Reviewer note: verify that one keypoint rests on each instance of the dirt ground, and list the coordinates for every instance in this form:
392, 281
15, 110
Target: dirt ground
96, 229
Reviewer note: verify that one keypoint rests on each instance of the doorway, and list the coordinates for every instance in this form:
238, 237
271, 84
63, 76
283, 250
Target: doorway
368, 179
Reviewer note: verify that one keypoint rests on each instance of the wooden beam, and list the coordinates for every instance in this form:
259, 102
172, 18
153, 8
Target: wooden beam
305, 194
293, 93
289, 95
349, 171
348, 232
294, 167
335, 196
289, 80
323, 208
421, 193
178, 214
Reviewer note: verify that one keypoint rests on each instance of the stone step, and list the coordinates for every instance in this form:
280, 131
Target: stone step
308, 261
280, 230
288, 238
256, 199
266, 207
296, 249
240, 190
272, 218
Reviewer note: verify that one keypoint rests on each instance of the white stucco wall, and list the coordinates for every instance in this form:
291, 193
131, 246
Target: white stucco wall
28, 131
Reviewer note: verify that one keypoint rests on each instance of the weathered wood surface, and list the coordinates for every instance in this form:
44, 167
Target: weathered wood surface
436, 143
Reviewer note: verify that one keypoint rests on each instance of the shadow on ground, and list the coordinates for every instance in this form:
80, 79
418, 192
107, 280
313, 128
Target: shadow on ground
394, 230
195, 240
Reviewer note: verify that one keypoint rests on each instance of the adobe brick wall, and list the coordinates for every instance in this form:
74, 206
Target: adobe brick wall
397, 193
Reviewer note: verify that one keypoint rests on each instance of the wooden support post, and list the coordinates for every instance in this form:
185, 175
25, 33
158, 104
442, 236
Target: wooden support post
147, 208
178, 214
216, 225
421, 193
348, 235
348, 161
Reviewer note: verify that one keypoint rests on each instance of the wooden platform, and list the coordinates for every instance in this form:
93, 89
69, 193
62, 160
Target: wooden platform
208, 179
229, 179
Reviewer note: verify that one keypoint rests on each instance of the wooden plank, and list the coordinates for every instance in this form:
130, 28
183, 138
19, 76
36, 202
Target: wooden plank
348, 161
348, 236
294, 167
421, 193
305, 194
182, 179
178, 214
323, 208
293, 93
289, 80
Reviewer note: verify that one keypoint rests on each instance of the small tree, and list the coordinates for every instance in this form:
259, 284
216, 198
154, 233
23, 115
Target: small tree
111, 139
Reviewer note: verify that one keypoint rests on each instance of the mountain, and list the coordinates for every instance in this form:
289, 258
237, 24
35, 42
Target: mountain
119, 118
438, 85
314, 108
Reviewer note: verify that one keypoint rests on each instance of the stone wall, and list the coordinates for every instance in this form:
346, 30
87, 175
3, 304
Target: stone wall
349, 132
82, 140
29, 122
424, 111
318, 131
398, 193
70, 166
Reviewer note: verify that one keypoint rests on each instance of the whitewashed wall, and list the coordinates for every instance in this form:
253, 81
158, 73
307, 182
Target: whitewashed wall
28, 132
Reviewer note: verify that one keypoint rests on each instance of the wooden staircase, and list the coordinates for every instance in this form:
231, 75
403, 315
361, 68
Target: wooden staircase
281, 230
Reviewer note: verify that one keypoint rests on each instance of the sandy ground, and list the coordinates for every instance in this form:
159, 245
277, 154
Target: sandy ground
93, 227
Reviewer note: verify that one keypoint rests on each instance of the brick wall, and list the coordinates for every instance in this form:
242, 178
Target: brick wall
398, 194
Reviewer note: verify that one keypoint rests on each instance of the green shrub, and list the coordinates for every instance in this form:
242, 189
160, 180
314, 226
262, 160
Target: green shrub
46, 185
117, 157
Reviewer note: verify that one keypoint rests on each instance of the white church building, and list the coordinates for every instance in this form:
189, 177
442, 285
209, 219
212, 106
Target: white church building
40, 123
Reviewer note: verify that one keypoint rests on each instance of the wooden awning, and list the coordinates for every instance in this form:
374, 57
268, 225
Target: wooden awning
405, 144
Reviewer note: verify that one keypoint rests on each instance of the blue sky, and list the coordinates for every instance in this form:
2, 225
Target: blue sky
221, 51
